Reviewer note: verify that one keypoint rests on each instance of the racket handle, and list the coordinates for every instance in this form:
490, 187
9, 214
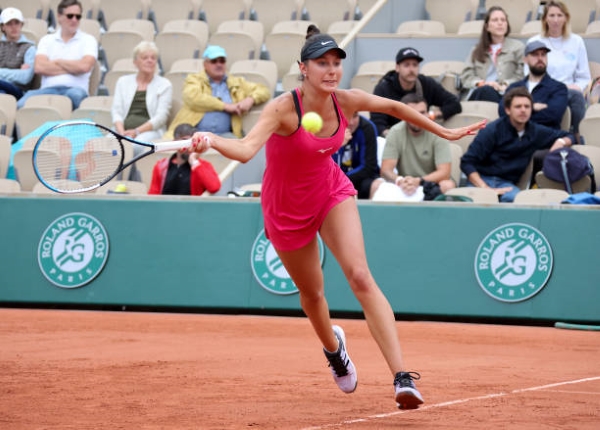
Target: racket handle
172, 145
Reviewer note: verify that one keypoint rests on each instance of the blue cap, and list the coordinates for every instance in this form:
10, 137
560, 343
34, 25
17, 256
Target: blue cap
213, 51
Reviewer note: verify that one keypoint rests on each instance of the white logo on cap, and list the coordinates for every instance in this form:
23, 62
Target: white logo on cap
326, 43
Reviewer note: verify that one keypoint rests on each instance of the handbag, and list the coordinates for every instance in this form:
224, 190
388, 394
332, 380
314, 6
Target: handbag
567, 166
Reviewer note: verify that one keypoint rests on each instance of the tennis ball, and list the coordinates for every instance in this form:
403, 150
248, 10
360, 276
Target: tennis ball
312, 122
121, 188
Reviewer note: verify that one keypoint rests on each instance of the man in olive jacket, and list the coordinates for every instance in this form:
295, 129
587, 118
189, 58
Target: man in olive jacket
214, 101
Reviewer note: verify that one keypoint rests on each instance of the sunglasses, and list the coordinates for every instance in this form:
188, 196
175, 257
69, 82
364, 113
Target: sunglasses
77, 16
218, 60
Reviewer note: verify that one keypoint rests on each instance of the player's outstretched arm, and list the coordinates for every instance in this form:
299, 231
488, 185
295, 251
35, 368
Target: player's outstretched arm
358, 100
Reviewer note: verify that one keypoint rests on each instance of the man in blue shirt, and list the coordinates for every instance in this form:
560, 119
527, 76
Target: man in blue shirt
358, 155
550, 97
17, 54
500, 152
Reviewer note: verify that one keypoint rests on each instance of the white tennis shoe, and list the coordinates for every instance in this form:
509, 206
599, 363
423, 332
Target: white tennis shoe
342, 368
407, 395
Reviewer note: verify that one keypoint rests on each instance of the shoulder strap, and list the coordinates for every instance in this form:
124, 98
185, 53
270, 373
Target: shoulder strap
297, 104
419, 87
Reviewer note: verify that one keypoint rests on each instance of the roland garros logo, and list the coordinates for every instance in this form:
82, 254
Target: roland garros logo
268, 269
513, 262
73, 250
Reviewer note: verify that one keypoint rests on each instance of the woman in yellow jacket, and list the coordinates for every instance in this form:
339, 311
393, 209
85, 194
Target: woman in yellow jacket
214, 101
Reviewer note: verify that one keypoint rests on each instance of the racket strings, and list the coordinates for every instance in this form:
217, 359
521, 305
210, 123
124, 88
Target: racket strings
77, 157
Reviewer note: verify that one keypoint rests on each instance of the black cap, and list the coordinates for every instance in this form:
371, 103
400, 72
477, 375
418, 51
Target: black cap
534, 46
317, 45
406, 53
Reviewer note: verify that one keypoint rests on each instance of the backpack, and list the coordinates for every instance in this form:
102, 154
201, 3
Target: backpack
566, 166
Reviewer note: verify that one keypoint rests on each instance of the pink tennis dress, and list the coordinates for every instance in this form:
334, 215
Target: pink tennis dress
302, 183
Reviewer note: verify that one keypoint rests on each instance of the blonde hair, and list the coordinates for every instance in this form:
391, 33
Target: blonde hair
566, 32
145, 46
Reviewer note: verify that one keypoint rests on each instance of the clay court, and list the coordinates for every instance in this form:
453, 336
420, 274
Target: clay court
127, 370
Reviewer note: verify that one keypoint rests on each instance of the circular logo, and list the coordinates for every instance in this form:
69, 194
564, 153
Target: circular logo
513, 262
73, 250
268, 269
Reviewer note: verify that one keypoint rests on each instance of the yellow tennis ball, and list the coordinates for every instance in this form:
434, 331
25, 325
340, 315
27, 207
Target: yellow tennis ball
121, 188
312, 122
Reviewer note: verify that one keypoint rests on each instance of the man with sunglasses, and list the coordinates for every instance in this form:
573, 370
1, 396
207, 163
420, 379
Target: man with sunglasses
215, 101
65, 59
17, 54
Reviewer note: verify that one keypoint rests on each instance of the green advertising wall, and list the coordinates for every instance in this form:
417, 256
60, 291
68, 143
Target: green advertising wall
430, 259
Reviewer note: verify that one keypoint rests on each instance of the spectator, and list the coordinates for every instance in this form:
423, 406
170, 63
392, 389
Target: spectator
568, 60
65, 59
357, 157
142, 100
17, 54
500, 153
406, 78
495, 62
413, 157
549, 95
214, 101
184, 173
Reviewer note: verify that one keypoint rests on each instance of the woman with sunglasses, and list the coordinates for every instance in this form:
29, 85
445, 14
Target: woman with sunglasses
215, 101
304, 192
65, 59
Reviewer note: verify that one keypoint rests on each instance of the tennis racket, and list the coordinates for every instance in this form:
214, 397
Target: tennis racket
79, 156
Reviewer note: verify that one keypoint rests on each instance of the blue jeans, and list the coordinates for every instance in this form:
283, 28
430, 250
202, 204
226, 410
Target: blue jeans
76, 94
10, 88
496, 182
577, 105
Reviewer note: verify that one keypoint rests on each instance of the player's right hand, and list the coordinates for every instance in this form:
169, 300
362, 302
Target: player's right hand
201, 142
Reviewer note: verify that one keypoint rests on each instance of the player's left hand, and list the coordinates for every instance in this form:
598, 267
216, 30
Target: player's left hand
457, 133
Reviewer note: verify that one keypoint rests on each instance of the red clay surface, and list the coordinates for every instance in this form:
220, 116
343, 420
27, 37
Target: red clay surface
125, 370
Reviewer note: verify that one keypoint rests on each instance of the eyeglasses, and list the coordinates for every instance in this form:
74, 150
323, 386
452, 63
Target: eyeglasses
77, 16
219, 60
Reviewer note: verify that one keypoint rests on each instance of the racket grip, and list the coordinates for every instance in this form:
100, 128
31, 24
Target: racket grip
172, 145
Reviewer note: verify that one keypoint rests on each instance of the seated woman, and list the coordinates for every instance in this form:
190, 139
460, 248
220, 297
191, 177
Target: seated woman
495, 62
142, 100
567, 59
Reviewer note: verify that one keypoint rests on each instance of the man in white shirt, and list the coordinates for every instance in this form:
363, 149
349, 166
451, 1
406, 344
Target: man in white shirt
65, 59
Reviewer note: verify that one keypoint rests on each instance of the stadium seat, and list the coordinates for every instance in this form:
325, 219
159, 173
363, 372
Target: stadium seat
163, 11
340, 29
369, 73
38, 9
592, 153
193, 26
480, 107
292, 78
416, 28
62, 104
5, 149
96, 109
9, 186
451, 13
116, 45
589, 128
142, 26
34, 29
121, 67
540, 196
250, 119
112, 10
518, 11
580, 186
593, 110
470, 28
531, 28
253, 28
261, 71
456, 153
214, 12
174, 45
593, 28
594, 69
478, 195
24, 168
446, 72
91, 26
270, 12
582, 13
8, 107
326, 12
133, 187
285, 42
239, 46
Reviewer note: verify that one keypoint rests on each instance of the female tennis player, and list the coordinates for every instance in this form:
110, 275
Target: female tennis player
304, 192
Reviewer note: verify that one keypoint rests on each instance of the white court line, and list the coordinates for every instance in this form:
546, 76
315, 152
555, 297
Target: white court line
453, 402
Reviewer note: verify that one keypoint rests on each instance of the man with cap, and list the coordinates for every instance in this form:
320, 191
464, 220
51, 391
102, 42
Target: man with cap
405, 79
550, 97
17, 54
215, 101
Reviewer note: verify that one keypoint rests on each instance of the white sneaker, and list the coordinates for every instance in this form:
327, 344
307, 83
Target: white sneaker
407, 395
342, 368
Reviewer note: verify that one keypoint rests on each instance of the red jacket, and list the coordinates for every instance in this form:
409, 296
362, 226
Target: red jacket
203, 177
